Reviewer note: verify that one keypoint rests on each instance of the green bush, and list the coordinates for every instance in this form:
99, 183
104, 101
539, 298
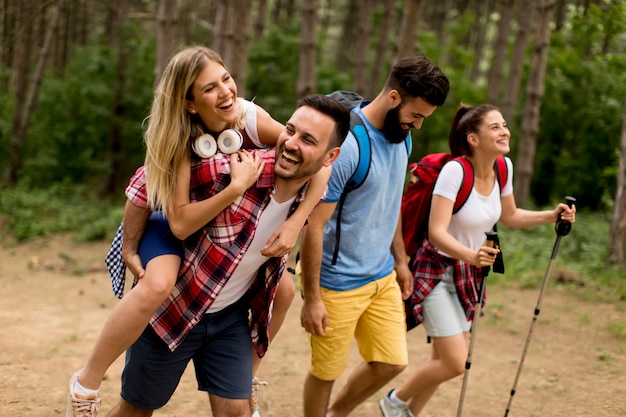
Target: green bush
60, 208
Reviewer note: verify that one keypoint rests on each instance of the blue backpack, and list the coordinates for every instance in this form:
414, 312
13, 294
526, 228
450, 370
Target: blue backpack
352, 100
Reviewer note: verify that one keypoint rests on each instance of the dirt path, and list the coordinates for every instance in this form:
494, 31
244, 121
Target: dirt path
56, 295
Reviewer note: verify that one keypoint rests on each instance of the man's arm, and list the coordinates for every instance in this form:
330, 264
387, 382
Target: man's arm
135, 219
401, 265
314, 316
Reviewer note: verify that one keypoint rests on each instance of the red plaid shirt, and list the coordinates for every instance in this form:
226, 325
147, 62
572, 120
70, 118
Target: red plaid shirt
213, 253
428, 266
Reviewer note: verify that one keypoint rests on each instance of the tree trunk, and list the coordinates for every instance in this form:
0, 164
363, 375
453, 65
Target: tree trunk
618, 225
525, 19
290, 8
437, 21
560, 14
241, 43
407, 39
7, 42
223, 32
60, 48
259, 21
480, 30
499, 57
347, 41
534, 97
363, 37
462, 5
166, 30
22, 116
306, 68
116, 177
381, 50
277, 11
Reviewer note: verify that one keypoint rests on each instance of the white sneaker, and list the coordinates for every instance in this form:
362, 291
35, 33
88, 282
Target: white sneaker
389, 409
254, 398
79, 405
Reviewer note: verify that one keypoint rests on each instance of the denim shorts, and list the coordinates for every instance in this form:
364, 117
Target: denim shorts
158, 239
220, 347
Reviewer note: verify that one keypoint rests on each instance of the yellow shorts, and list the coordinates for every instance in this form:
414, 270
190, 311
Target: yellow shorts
374, 315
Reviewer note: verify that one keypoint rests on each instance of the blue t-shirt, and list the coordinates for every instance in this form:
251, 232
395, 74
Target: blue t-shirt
370, 213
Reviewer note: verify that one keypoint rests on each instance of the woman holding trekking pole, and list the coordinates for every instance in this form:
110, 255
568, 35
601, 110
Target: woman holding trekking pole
447, 268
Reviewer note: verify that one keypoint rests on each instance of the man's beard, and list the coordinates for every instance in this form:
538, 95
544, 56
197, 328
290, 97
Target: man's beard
393, 130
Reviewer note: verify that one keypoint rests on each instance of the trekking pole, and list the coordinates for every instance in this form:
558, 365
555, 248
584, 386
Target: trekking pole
491, 242
562, 228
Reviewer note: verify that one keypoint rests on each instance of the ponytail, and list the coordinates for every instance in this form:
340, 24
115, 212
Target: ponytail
456, 141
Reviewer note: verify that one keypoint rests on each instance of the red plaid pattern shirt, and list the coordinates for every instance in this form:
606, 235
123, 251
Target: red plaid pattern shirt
428, 266
212, 254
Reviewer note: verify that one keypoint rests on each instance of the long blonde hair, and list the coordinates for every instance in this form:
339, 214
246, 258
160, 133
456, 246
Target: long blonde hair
170, 127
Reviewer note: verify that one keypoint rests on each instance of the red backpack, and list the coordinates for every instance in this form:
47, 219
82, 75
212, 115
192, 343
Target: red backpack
418, 194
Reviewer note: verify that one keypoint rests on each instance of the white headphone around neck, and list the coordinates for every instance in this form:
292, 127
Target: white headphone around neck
229, 141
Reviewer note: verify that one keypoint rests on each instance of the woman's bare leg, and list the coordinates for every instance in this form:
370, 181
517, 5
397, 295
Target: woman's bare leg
129, 318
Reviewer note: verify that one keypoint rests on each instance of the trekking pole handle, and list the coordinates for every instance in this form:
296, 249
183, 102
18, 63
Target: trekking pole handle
563, 227
492, 237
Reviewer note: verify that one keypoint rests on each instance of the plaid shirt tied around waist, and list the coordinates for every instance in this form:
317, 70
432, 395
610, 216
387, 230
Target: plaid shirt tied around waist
428, 267
212, 254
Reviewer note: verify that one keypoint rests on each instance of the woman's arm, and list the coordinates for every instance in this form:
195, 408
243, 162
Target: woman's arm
439, 220
267, 128
186, 217
515, 217
285, 236
135, 219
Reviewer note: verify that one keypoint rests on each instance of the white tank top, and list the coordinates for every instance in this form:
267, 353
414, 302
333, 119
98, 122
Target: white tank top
249, 109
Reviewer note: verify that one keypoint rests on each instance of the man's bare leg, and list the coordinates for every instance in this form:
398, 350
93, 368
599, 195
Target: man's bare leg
227, 407
125, 409
363, 382
316, 396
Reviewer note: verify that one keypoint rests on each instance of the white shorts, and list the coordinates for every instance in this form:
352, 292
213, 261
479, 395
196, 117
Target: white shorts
443, 314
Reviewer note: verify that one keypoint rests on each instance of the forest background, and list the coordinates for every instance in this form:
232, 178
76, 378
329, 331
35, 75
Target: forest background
77, 77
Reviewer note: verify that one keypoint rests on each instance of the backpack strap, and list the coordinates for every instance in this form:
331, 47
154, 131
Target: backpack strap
466, 185
502, 172
502, 175
358, 129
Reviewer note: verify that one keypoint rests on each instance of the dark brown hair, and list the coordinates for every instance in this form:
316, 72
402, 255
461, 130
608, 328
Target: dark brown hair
466, 120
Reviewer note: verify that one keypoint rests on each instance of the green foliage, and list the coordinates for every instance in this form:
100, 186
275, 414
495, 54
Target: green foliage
581, 124
68, 139
272, 71
582, 111
62, 207
433, 136
6, 115
584, 252
617, 329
